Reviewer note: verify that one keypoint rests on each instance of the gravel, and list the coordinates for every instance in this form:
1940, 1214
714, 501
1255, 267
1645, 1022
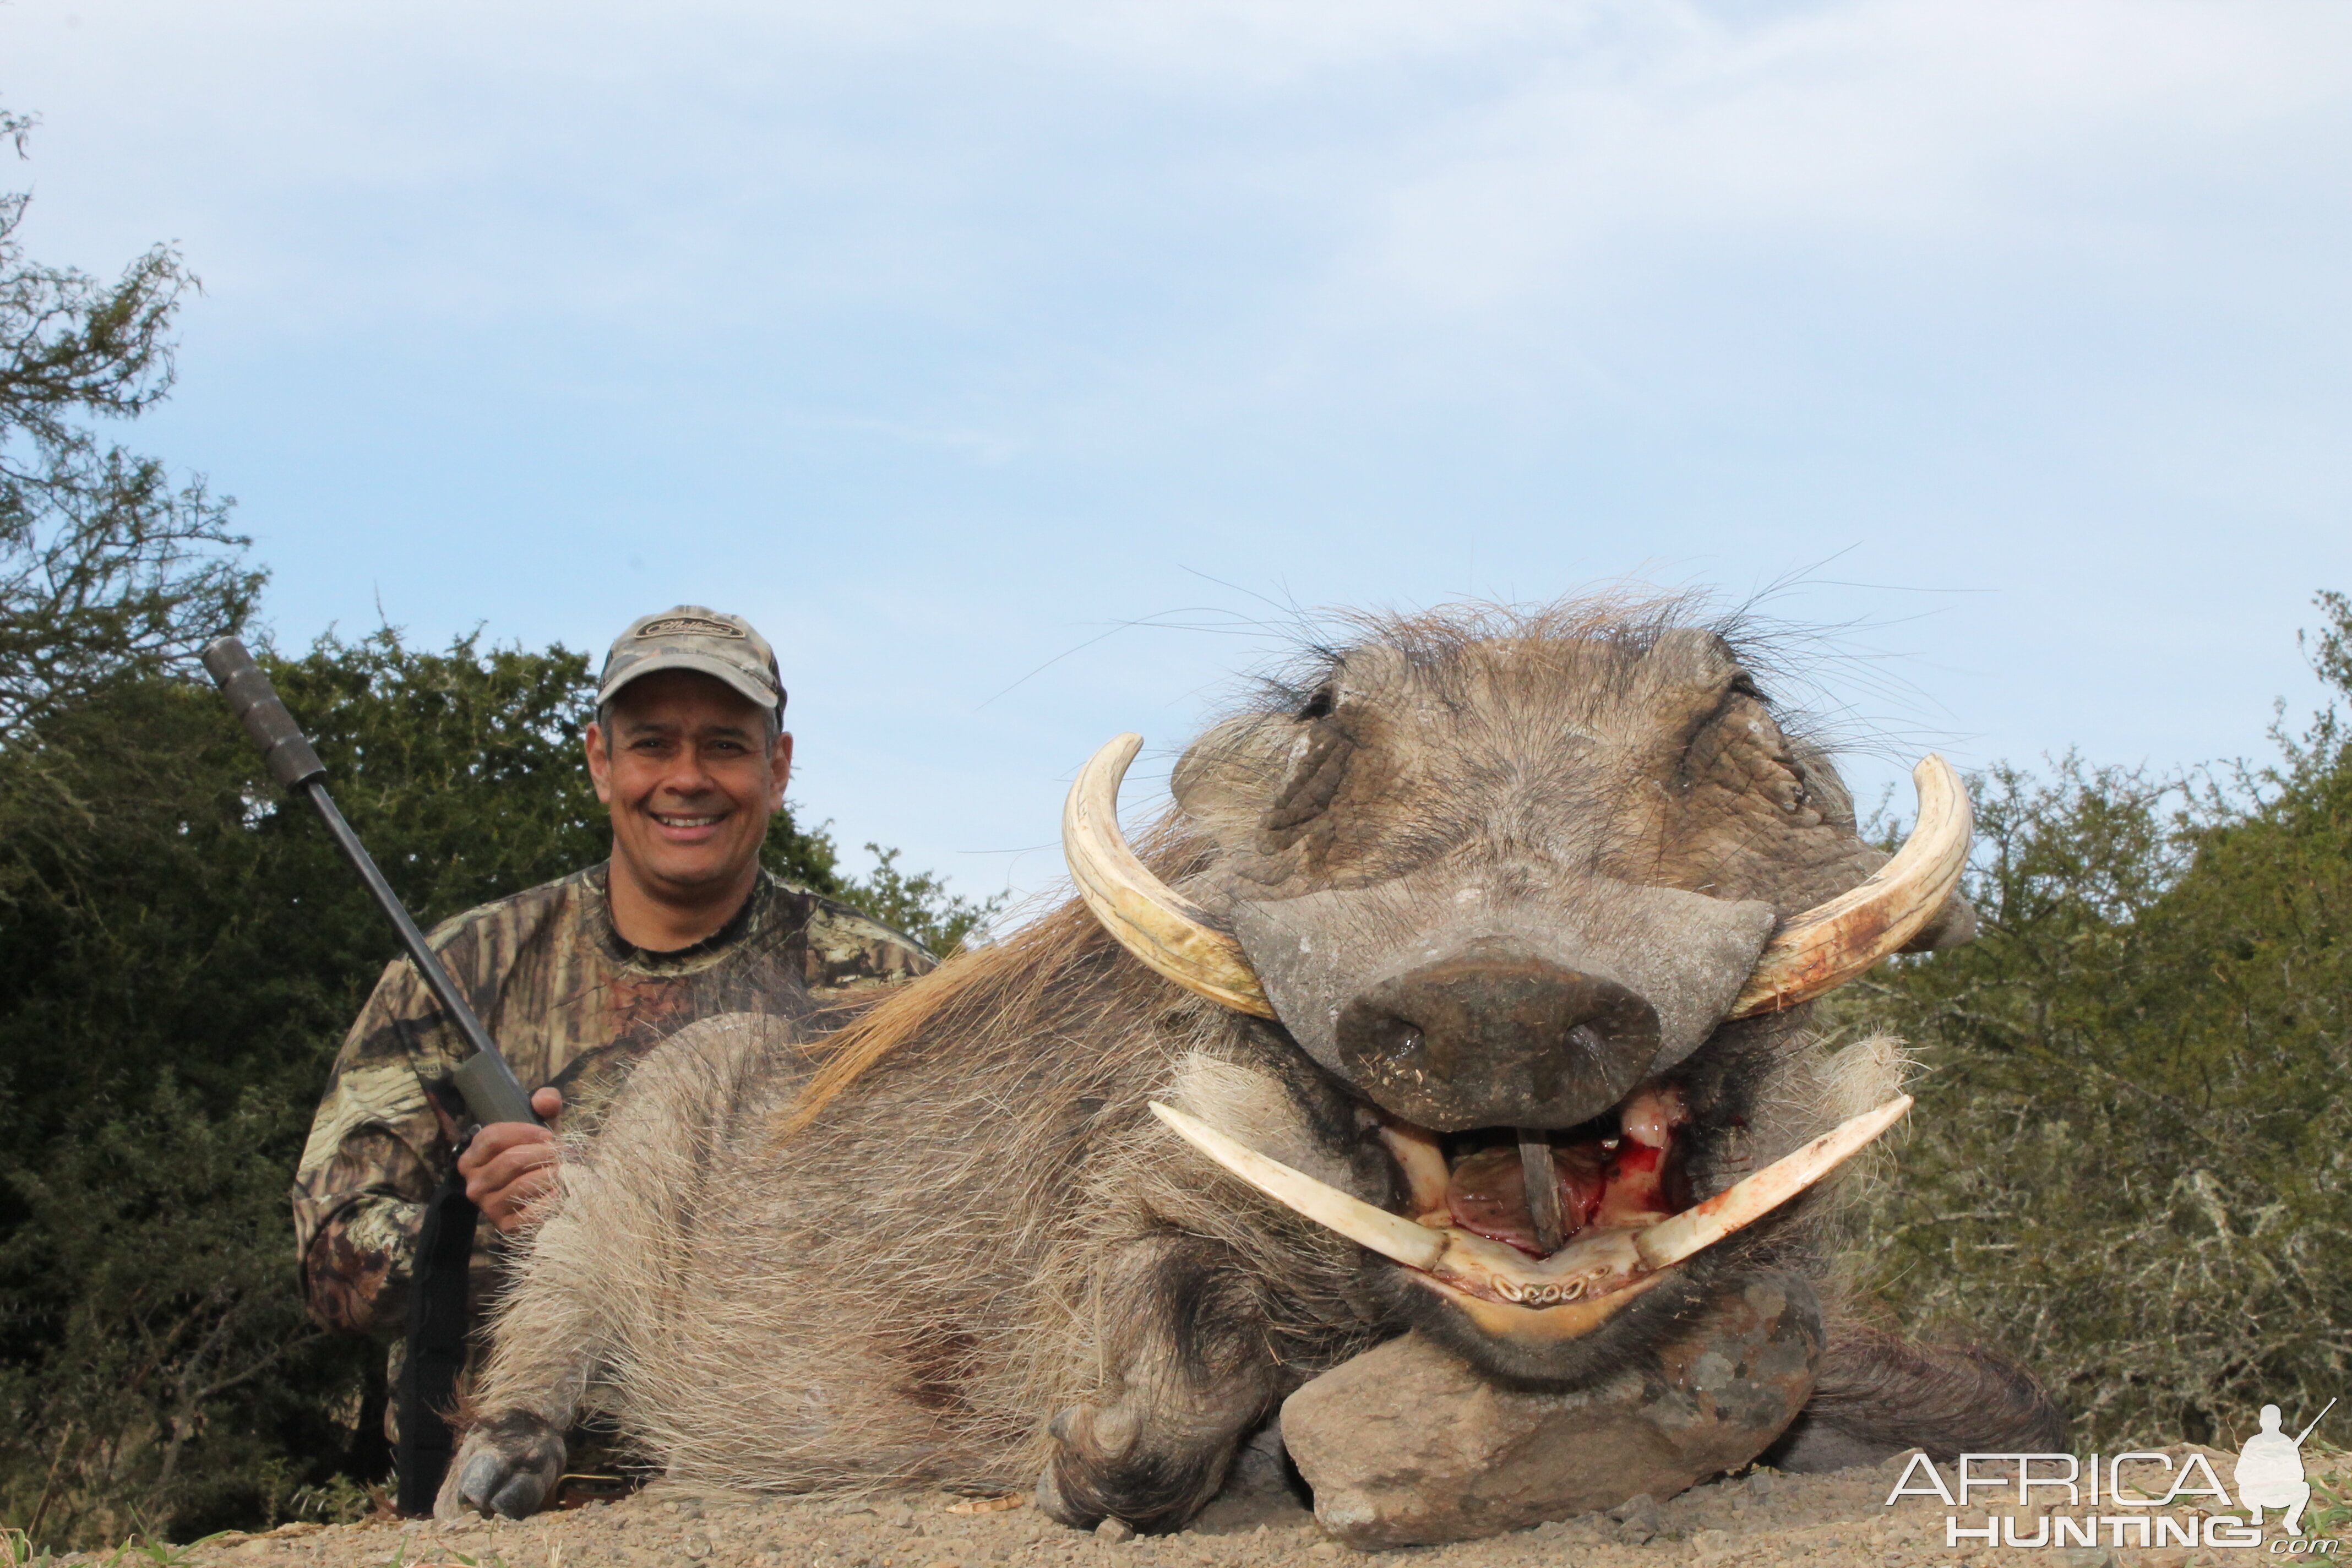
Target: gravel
1757, 1520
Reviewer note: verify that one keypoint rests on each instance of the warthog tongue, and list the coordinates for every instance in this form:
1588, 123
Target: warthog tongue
1598, 1262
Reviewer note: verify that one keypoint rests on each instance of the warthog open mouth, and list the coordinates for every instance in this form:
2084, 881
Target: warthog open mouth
1605, 1216
1471, 1232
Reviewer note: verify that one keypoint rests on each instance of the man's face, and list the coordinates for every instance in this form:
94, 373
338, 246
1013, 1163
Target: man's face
691, 780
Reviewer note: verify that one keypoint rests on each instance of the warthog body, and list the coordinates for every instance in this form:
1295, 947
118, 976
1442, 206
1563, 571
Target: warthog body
1492, 871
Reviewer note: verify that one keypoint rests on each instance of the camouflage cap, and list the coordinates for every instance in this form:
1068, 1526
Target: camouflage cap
689, 637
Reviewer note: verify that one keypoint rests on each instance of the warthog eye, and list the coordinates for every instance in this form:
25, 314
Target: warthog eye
1316, 707
1314, 782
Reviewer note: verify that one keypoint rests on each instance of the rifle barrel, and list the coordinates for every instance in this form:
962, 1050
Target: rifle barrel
492, 1092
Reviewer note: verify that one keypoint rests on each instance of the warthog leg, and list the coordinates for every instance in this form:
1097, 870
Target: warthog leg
530, 1396
590, 1264
1878, 1394
1190, 1376
551, 1334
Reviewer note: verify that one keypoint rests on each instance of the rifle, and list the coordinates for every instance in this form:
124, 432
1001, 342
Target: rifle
437, 1307
492, 1092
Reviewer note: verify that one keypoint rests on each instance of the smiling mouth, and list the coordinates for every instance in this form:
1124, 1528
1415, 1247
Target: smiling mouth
1470, 1236
671, 819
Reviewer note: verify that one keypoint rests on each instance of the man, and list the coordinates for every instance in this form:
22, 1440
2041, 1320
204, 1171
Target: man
578, 979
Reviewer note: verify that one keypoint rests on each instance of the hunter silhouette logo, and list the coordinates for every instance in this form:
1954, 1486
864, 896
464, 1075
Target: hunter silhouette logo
2270, 1470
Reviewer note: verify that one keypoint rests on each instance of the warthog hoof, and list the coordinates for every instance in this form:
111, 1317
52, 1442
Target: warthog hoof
507, 1465
1085, 1445
1105, 1467
1049, 1500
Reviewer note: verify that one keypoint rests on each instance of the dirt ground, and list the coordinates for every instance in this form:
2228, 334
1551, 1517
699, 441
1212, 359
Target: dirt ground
1758, 1520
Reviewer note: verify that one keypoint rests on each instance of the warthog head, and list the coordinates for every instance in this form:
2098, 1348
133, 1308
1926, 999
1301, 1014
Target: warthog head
1503, 882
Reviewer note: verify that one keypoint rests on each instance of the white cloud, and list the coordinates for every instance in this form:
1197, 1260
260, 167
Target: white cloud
952, 155
1967, 129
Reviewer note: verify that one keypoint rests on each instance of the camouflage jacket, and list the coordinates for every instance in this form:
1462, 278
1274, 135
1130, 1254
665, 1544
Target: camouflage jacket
570, 1003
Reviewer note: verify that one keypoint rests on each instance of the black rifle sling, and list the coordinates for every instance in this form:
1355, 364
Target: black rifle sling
436, 1344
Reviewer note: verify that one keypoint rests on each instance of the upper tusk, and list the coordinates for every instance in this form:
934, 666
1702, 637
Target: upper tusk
1816, 953
1703, 1224
1828, 945
1151, 919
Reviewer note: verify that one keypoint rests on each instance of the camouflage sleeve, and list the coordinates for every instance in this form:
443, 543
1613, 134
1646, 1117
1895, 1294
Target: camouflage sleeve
377, 1148
849, 952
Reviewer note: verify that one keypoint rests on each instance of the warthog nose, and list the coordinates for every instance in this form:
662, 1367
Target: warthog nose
1496, 1040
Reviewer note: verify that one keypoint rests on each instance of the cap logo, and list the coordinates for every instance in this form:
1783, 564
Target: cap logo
688, 626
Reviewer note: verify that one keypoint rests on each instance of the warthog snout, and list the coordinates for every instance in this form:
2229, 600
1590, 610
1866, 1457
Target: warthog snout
1490, 1036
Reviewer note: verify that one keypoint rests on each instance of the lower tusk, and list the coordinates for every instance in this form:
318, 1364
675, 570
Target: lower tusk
1394, 1237
1670, 1240
1595, 1263
1592, 1264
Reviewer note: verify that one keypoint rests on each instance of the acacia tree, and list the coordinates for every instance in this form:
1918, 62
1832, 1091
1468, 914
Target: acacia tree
2128, 1165
109, 566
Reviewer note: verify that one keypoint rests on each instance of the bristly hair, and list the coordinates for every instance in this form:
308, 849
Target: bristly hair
1006, 985
1779, 653
1007, 989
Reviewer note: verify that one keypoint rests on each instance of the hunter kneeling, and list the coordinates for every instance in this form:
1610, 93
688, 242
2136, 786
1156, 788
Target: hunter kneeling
577, 980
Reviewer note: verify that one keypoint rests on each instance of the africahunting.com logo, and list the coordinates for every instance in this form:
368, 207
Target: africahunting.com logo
2192, 1507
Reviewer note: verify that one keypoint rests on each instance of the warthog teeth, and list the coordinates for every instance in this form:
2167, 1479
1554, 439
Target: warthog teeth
1540, 1295
1593, 1265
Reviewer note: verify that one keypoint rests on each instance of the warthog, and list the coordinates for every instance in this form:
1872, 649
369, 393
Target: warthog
1476, 898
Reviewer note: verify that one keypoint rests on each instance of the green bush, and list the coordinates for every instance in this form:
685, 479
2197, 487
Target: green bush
188, 948
2128, 1166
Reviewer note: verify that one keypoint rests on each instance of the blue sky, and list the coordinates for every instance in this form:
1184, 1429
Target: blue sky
943, 338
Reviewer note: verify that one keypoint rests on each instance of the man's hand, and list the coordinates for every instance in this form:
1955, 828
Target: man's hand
509, 1165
